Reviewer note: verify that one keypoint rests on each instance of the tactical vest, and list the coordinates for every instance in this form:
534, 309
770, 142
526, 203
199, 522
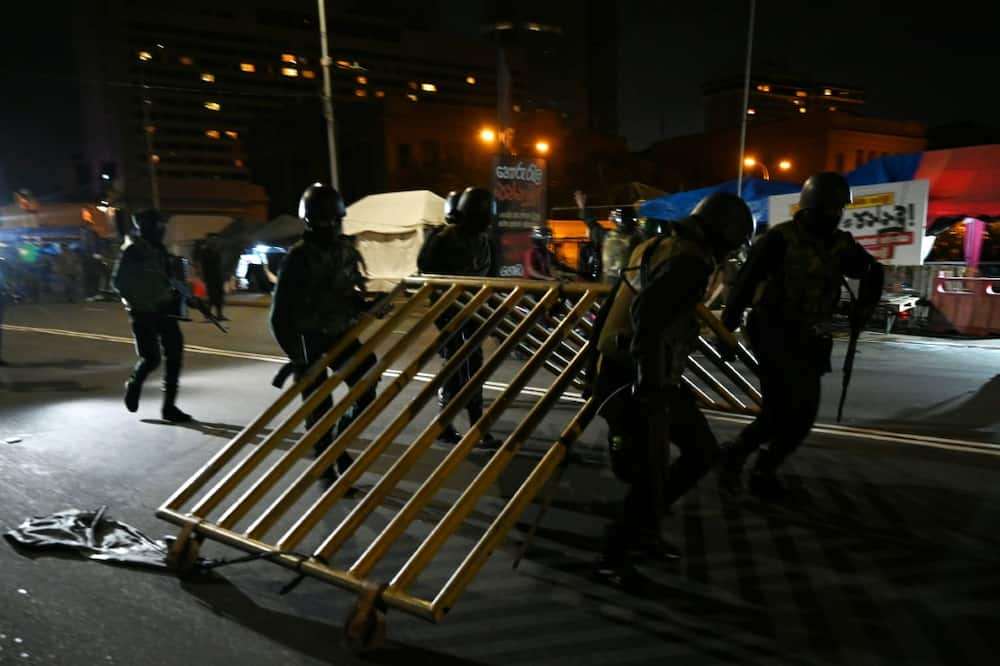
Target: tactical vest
806, 288
647, 260
615, 252
330, 301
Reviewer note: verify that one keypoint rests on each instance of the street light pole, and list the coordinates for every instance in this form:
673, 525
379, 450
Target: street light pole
746, 99
331, 140
148, 129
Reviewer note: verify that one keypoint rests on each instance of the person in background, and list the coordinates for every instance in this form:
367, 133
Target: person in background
619, 243
590, 265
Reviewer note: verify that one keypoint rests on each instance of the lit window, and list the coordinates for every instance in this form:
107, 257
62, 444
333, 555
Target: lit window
763, 87
517, 108
248, 67
360, 92
308, 74
411, 97
827, 91
185, 60
796, 102
534, 27
212, 106
343, 64
428, 87
802, 109
751, 112
289, 71
150, 129
413, 85
363, 80
154, 158
212, 134
833, 108
380, 93
145, 56
504, 26
288, 57
801, 93
238, 163
232, 134
471, 80
208, 78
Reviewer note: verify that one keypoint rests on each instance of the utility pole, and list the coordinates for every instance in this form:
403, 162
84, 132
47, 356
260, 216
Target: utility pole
746, 101
331, 140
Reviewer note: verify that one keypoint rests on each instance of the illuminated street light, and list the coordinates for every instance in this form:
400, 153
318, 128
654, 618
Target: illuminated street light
751, 162
486, 135
542, 147
785, 165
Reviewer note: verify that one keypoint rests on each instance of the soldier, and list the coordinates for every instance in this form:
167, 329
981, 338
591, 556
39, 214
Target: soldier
649, 330
619, 243
147, 280
210, 267
589, 262
463, 247
792, 279
319, 296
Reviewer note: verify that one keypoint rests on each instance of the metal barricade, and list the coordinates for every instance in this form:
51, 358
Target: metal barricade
260, 493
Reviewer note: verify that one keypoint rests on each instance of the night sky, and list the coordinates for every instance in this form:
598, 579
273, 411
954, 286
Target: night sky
936, 65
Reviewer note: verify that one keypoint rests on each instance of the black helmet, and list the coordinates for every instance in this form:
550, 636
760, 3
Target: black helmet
451, 207
726, 219
321, 206
476, 208
624, 218
825, 191
150, 223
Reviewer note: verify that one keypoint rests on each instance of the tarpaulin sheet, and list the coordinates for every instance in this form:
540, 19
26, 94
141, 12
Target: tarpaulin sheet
91, 534
755, 191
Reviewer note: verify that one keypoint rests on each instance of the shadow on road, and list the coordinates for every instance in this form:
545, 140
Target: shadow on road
319, 640
967, 414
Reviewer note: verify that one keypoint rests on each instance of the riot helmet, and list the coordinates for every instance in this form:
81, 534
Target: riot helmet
726, 220
822, 201
321, 207
475, 209
151, 224
451, 207
625, 219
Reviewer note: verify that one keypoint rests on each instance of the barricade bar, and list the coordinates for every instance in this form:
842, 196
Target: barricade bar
257, 496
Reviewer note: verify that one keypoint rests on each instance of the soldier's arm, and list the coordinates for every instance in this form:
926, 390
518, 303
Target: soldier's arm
861, 265
290, 282
429, 260
765, 254
676, 288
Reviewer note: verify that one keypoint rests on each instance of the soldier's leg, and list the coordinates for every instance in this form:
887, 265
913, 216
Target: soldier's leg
451, 386
689, 432
314, 347
799, 407
147, 349
356, 376
172, 341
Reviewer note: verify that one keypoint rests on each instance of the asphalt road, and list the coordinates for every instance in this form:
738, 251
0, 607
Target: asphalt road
887, 555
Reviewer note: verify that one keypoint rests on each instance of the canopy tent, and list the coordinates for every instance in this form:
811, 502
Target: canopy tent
389, 231
964, 182
755, 192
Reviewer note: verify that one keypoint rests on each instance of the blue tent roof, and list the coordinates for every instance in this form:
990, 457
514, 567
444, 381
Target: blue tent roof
889, 169
755, 193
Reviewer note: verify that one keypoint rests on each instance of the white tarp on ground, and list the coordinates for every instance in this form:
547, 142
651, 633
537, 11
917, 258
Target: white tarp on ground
389, 230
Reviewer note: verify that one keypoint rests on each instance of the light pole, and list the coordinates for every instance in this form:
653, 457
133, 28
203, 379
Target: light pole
331, 140
148, 129
746, 98
751, 162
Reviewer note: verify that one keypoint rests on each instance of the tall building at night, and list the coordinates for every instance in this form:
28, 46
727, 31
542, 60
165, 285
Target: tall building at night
213, 102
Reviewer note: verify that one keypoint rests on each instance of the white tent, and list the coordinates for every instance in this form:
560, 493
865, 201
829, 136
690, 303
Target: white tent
389, 230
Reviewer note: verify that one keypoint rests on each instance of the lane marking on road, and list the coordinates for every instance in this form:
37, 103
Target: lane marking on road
851, 432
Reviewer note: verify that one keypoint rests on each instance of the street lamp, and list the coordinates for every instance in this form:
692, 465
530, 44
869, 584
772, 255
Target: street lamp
487, 135
542, 146
750, 162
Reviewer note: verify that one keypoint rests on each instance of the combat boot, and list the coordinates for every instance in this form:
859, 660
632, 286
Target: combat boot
730, 466
132, 391
170, 411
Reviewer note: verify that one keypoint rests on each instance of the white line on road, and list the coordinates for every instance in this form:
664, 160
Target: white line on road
851, 432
